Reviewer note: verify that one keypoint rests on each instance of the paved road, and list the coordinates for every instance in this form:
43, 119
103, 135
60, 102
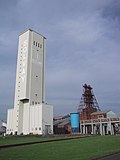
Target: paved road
112, 157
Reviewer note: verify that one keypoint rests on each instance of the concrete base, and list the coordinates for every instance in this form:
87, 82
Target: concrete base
36, 119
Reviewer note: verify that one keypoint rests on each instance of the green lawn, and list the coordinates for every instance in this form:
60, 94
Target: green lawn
15, 140
23, 139
77, 149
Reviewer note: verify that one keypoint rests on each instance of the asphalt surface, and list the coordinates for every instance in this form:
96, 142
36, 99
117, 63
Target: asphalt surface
111, 157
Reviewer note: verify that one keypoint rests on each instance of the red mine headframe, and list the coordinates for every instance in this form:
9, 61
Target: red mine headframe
88, 103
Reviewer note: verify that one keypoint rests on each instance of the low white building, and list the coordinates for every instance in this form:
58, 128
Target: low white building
30, 115
2, 127
102, 123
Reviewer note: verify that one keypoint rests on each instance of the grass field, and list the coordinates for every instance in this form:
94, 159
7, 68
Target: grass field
77, 149
15, 140
25, 139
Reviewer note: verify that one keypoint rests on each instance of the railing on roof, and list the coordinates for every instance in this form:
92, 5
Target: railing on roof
100, 120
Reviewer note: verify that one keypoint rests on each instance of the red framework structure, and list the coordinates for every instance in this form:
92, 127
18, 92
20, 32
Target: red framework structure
88, 103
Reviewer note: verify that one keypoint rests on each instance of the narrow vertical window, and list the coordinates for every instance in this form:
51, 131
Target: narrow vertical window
34, 43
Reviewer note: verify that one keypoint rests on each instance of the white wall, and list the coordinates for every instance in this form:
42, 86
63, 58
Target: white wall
26, 118
37, 69
36, 119
12, 121
22, 74
20, 120
47, 115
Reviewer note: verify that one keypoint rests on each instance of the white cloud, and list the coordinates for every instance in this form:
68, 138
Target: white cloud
82, 47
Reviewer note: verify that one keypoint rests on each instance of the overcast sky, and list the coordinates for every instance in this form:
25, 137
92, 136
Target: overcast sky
83, 46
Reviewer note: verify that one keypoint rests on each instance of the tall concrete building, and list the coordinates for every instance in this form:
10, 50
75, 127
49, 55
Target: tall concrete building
30, 115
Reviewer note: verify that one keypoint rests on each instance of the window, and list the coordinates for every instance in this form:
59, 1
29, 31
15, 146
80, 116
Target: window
35, 102
39, 128
36, 76
100, 116
35, 94
40, 45
32, 102
35, 128
34, 43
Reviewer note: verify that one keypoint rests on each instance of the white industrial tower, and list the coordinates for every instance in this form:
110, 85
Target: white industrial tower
30, 115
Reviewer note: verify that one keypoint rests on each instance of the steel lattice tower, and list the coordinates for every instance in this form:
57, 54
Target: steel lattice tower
88, 103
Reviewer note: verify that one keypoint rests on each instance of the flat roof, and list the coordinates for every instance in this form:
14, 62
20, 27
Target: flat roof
29, 29
100, 112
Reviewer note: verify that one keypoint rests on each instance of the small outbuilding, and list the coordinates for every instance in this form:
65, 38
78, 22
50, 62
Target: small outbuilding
2, 127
